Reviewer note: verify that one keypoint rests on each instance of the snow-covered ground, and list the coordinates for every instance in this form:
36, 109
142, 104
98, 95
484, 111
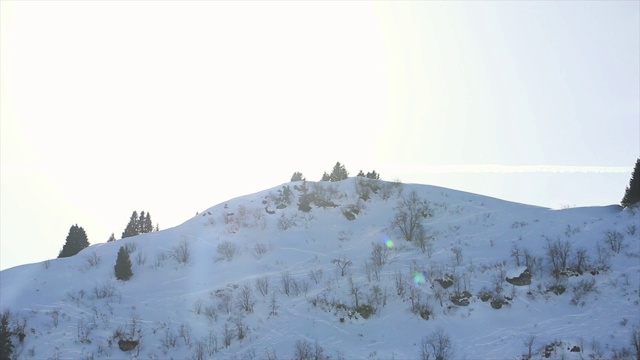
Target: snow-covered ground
266, 282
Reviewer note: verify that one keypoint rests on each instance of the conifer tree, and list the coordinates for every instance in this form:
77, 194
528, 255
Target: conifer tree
6, 346
632, 194
147, 225
132, 226
122, 267
112, 238
373, 175
339, 172
325, 177
141, 221
76, 241
297, 176
360, 174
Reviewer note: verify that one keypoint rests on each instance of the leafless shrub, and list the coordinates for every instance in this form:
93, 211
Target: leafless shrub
635, 342
631, 229
182, 252
262, 284
211, 314
457, 255
315, 275
141, 258
581, 289
438, 345
197, 307
170, 340
47, 264
614, 240
227, 334
400, 283
225, 299
285, 281
105, 290
285, 222
305, 351
273, 305
245, 301
259, 250
185, 333
345, 235
93, 259
226, 251
130, 247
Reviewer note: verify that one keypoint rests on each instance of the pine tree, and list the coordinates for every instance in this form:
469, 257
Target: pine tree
325, 177
632, 194
339, 172
147, 226
111, 238
373, 175
76, 241
6, 346
122, 267
132, 226
141, 221
297, 176
360, 174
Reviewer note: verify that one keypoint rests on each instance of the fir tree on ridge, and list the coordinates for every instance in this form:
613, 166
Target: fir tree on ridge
76, 241
632, 193
338, 173
139, 225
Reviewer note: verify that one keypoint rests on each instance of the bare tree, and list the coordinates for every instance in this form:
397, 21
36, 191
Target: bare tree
354, 289
343, 264
262, 284
410, 213
614, 240
181, 252
245, 301
558, 254
227, 251
439, 345
380, 254
528, 342
635, 342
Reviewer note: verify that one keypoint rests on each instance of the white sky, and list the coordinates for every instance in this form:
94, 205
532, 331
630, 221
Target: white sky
172, 107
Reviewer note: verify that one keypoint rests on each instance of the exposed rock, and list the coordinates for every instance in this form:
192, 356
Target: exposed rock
127, 345
522, 279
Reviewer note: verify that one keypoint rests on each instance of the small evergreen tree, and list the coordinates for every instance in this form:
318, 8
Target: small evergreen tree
632, 194
123, 265
339, 172
76, 241
6, 346
112, 238
297, 176
148, 225
360, 174
373, 175
132, 226
325, 177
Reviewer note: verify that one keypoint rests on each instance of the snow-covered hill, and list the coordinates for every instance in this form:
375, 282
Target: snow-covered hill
255, 277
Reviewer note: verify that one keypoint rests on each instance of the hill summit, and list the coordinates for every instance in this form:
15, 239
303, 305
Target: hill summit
354, 269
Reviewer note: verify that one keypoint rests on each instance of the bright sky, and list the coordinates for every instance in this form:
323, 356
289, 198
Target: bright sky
173, 107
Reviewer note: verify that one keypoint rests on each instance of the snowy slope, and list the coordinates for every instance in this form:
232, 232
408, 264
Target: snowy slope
74, 308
